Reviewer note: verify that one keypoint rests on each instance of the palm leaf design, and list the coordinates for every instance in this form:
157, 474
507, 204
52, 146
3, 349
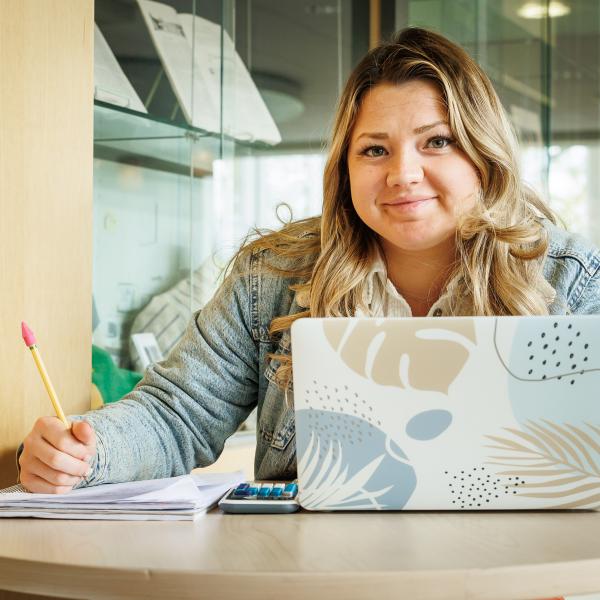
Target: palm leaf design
328, 487
564, 460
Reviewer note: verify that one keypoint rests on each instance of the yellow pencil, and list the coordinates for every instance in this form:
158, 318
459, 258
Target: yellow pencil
30, 342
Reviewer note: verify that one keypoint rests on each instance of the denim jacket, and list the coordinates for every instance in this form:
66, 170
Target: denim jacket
184, 409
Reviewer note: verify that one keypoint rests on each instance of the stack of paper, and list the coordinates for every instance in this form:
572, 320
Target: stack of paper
174, 498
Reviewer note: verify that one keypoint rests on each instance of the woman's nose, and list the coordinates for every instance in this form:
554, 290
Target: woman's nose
404, 168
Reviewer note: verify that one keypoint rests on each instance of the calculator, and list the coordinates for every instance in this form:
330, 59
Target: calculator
261, 497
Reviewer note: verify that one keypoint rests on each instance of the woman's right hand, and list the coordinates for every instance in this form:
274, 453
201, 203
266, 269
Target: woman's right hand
55, 458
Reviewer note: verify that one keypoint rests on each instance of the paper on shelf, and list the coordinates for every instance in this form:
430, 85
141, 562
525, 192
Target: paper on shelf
246, 114
176, 56
110, 82
184, 41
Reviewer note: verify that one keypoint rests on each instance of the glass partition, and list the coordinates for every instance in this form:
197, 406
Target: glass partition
145, 136
211, 119
226, 128
298, 55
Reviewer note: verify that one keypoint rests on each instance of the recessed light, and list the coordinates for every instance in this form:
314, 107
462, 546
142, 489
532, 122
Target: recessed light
536, 10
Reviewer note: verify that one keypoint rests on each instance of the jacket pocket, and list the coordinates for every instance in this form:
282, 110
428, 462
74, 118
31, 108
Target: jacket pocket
283, 348
276, 426
277, 423
283, 432
278, 457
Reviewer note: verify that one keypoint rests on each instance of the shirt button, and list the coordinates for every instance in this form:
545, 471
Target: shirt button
437, 312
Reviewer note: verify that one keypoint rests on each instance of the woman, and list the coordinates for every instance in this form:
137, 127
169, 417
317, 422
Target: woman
424, 213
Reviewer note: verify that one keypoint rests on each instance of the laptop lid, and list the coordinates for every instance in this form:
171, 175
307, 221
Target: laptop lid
448, 413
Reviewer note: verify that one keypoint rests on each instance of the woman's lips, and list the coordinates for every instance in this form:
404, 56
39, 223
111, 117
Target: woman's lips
408, 204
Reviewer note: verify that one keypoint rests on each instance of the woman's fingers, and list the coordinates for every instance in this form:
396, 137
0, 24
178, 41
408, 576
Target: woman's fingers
63, 439
60, 461
37, 485
58, 479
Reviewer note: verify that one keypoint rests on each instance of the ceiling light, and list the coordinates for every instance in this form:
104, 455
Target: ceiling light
538, 10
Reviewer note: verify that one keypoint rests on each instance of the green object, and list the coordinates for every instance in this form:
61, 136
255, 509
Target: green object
112, 382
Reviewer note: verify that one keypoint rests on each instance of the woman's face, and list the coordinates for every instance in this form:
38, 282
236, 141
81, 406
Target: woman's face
409, 180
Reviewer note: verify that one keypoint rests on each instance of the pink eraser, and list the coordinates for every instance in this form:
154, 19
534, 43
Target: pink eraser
28, 335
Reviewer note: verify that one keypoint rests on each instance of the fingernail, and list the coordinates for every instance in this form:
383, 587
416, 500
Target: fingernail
89, 472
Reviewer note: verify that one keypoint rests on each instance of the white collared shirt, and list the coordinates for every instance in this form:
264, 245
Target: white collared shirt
383, 299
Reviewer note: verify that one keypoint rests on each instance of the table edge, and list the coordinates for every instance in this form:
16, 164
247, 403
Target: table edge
497, 583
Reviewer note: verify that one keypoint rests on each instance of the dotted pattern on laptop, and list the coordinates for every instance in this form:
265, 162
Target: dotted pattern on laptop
341, 399
548, 355
340, 403
475, 488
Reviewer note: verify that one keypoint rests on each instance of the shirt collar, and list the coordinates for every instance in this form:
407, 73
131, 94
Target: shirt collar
382, 299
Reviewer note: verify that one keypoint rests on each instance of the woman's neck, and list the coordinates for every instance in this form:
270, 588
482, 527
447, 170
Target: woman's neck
420, 276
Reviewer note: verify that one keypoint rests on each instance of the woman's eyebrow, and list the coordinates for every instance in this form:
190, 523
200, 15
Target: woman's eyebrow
375, 136
380, 135
425, 128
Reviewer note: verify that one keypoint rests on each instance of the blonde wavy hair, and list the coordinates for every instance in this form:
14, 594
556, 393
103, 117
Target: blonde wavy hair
500, 244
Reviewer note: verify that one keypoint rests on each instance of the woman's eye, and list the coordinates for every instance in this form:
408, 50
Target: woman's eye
374, 151
439, 142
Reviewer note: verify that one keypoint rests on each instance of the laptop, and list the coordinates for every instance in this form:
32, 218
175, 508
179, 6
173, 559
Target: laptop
447, 413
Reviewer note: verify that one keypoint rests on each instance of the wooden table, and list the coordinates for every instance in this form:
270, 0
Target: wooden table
412, 556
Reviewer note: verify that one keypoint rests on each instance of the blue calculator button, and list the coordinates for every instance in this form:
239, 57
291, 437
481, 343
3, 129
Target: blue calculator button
240, 492
276, 492
264, 492
251, 492
290, 490
243, 486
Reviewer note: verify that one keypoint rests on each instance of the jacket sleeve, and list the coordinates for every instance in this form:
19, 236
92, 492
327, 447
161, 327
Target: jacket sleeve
182, 411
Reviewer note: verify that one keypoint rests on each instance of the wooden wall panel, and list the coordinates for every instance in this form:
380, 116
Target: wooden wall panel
46, 159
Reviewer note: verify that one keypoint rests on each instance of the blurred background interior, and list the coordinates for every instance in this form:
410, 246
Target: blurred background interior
182, 176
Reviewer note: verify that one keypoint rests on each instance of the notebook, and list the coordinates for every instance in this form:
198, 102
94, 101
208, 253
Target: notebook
175, 498
448, 413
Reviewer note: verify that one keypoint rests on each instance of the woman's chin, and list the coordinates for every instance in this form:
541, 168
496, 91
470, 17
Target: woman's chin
419, 241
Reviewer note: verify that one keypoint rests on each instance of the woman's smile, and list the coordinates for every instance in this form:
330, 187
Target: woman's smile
409, 204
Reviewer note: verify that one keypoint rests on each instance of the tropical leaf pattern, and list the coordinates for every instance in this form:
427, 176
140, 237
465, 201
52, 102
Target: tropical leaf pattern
559, 462
327, 486
401, 356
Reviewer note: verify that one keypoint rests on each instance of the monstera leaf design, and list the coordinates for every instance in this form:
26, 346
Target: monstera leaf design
560, 462
345, 462
419, 353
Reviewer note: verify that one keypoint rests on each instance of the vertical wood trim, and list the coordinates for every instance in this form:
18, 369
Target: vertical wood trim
46, 154
374, 23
